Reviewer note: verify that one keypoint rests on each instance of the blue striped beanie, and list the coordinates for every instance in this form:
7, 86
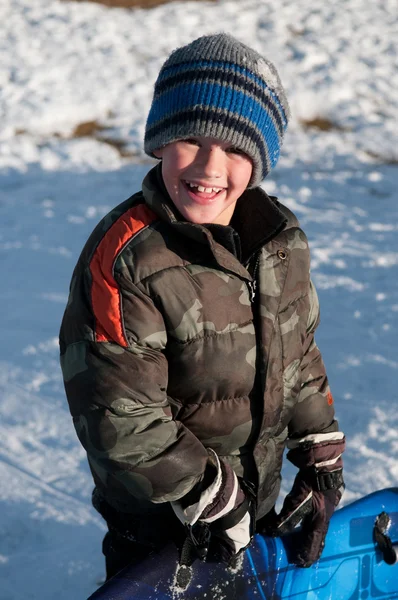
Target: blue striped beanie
218, 87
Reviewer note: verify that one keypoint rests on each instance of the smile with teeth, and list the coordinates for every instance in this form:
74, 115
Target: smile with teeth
202, 189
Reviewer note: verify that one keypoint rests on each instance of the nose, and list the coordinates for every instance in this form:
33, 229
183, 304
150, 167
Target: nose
212, 162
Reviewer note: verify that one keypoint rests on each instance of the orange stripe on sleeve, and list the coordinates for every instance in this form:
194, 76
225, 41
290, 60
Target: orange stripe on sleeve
105, 295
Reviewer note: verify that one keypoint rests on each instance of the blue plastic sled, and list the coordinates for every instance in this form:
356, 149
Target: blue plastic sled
353, 565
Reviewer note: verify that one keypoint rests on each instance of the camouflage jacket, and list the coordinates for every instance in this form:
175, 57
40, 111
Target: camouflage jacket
170, 345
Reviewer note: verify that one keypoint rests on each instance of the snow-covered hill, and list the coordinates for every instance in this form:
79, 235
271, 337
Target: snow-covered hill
65, 64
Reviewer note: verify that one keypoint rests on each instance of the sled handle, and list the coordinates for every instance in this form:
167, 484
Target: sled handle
383, 541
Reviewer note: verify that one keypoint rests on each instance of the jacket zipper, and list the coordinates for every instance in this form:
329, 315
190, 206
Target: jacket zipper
257, 388
253, 284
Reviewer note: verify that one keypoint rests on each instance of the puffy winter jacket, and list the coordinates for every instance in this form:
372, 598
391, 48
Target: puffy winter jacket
171, 345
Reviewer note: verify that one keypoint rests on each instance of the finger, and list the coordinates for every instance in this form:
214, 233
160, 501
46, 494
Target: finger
312, 539
310, 549
292, 513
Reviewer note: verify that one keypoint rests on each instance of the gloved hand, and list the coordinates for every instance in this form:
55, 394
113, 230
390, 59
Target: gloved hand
222, 507
316, 492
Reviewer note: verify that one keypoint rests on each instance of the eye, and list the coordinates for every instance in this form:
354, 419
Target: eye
234, 150
191, 141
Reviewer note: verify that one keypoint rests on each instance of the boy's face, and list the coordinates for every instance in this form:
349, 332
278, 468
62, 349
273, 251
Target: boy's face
204, 178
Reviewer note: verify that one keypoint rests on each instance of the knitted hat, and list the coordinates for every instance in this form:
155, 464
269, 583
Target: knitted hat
220, 88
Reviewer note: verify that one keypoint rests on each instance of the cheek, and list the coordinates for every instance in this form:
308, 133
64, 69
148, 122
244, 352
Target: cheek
248, 170
171, 169
241, 174
179, 159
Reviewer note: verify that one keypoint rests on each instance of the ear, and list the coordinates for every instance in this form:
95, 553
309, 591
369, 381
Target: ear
158, 152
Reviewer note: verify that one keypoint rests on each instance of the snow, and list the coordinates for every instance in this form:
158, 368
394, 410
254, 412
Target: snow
66, 63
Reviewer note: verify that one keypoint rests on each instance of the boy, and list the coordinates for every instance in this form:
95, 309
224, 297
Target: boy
187, 345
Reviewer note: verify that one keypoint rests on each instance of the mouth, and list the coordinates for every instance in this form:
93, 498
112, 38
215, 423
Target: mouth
202, 193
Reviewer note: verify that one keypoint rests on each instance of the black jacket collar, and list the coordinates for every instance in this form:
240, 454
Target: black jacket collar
257, 219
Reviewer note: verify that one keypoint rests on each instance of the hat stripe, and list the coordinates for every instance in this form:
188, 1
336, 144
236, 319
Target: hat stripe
230, 79
186, 122
199, 93
221, 67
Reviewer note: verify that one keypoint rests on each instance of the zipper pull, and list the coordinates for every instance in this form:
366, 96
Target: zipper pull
252, 288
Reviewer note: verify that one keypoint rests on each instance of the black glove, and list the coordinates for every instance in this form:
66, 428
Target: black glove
316, 492
220, 511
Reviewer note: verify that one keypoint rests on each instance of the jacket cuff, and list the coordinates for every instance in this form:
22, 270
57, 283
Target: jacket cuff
190, 514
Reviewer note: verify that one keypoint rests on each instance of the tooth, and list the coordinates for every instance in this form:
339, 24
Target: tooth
201, 188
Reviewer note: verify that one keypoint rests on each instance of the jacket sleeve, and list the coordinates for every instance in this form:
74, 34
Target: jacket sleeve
314, 411
118, 400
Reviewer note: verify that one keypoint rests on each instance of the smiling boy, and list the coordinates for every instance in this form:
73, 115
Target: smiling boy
205, 178
187, 345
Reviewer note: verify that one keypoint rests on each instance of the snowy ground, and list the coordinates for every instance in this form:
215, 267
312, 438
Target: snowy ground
63, 64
